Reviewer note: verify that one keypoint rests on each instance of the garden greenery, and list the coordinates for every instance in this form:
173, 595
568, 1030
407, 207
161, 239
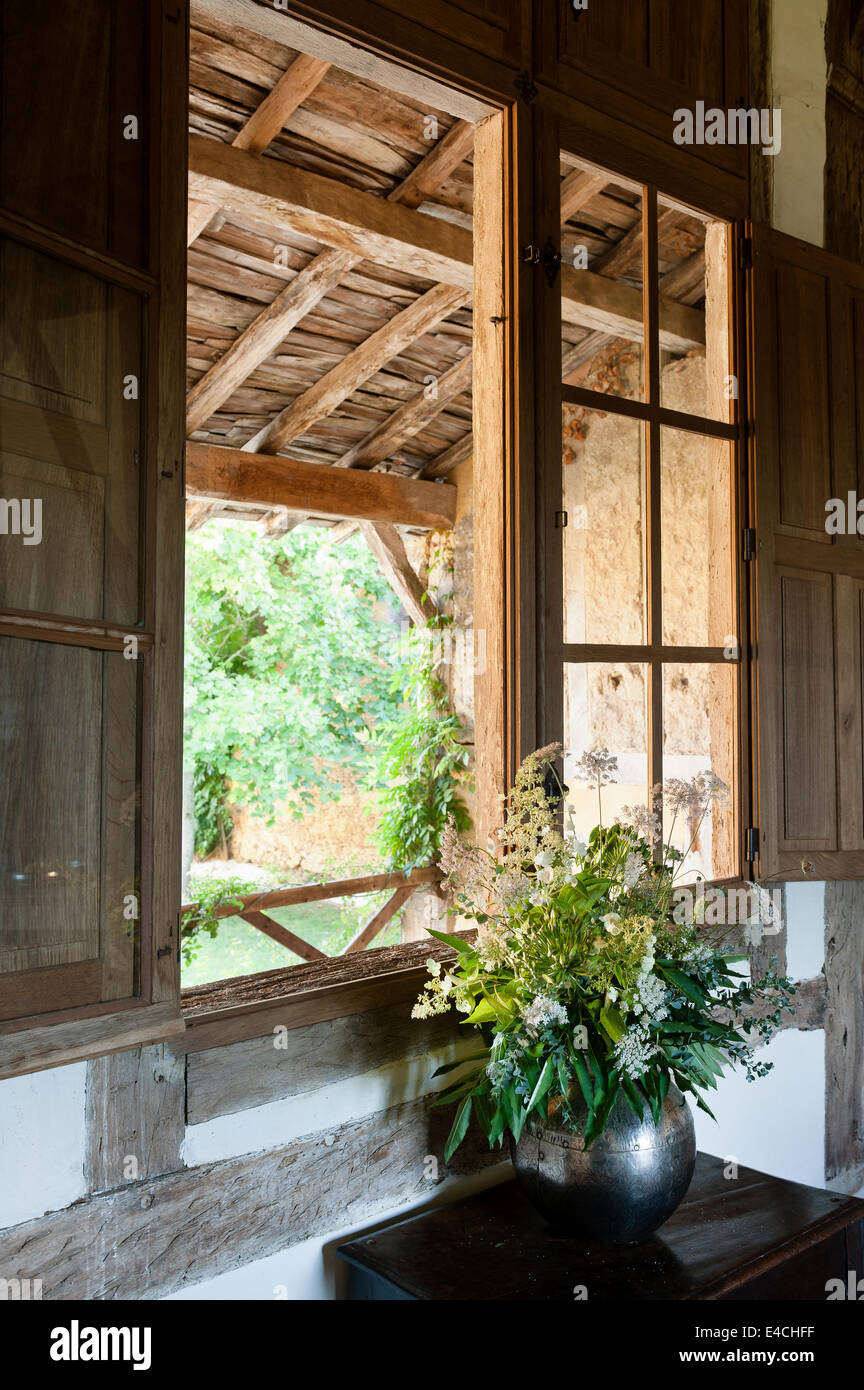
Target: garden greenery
581, 982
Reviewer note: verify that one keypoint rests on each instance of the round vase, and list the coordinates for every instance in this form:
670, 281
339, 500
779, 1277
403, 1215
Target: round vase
620, 1189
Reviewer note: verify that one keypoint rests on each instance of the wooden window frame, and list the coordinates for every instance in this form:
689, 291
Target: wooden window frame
553, 652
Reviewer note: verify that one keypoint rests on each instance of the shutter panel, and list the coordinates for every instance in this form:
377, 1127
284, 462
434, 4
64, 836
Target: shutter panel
807, 423
92, 263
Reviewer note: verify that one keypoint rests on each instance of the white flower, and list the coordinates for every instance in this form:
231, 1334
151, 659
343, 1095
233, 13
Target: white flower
542, 1013
575, 847
611, 995
545, 875
632, 871
433, 966
612, 922
544, 860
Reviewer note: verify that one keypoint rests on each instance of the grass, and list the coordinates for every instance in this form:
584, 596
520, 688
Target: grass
240, 949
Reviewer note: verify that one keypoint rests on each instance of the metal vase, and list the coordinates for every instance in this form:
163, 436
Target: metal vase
620, 1189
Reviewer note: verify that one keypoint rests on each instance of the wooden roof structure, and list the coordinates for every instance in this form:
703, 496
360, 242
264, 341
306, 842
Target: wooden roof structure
329, 289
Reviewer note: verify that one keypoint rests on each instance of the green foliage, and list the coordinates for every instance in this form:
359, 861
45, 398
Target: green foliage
212, 820
290, 659
423, 764
584, 979
200, 921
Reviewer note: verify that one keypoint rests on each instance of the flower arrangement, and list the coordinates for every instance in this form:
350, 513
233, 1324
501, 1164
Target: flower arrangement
583, 973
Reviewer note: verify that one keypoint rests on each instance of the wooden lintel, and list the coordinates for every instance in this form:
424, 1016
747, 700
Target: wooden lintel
230, 475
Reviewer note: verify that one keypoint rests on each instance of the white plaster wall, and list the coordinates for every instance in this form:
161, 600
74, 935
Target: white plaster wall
41, 1142
281, 1121
799, 74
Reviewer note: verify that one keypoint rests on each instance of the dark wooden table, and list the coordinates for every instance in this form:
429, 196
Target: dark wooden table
752, 1237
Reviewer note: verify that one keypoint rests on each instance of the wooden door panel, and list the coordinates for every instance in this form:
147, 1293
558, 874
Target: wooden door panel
71, 387
643, 61
66, 161
807, 711
805, 410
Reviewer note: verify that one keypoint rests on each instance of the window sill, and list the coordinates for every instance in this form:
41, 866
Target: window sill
249, 1006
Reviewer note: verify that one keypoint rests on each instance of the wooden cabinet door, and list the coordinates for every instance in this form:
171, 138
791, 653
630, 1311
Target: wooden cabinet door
642, 60
807, 406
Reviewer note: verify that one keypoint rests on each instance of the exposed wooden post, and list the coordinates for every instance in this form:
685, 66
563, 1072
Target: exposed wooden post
135, 1116
844, 1036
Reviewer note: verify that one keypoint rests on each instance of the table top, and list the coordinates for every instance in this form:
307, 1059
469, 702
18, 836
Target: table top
494, 1245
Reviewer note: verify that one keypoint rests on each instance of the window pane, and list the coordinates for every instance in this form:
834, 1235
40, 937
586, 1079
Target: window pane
693, 254
697, 540
605, 706
700, 735
601, 281
603, 496
69, 810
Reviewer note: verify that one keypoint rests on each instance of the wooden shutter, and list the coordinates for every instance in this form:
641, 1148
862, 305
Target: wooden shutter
92, 263
807, 424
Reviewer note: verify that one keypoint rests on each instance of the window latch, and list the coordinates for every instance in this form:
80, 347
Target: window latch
748, 543
751, 844
549, 258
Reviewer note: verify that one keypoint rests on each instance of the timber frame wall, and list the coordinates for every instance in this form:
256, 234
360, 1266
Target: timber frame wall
513, 60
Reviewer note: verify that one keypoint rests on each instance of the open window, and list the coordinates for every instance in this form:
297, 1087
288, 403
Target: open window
332, 642
642, 554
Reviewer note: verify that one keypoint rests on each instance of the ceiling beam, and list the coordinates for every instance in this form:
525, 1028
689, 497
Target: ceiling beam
296, 83
389, 550
292, 199
216, 474
286, 197
263, 336
260, 340
362, 363
577, 189
383, 442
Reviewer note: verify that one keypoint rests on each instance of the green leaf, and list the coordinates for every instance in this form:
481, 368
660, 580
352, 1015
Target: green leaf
451, 1066
485, 1012
613, 1023
459, 1130
457, 942
544, 1081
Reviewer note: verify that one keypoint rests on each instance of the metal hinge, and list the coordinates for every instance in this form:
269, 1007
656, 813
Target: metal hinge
525, 87
745, 253
751, 844
549, 258
748, 543
560, 520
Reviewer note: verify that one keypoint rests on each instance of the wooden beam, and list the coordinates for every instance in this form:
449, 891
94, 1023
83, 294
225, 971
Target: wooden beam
291, 90
596, 302
685, 281
444, 463
436, 167
285, 196
134, 1110
378, 921
197, 513
263, 336
577, 189
368, 358
627, 252
389, 550
242, 1075
282, 195
147, 1237
382, 442
844, 1036
257, 342
286, 938
231, 475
